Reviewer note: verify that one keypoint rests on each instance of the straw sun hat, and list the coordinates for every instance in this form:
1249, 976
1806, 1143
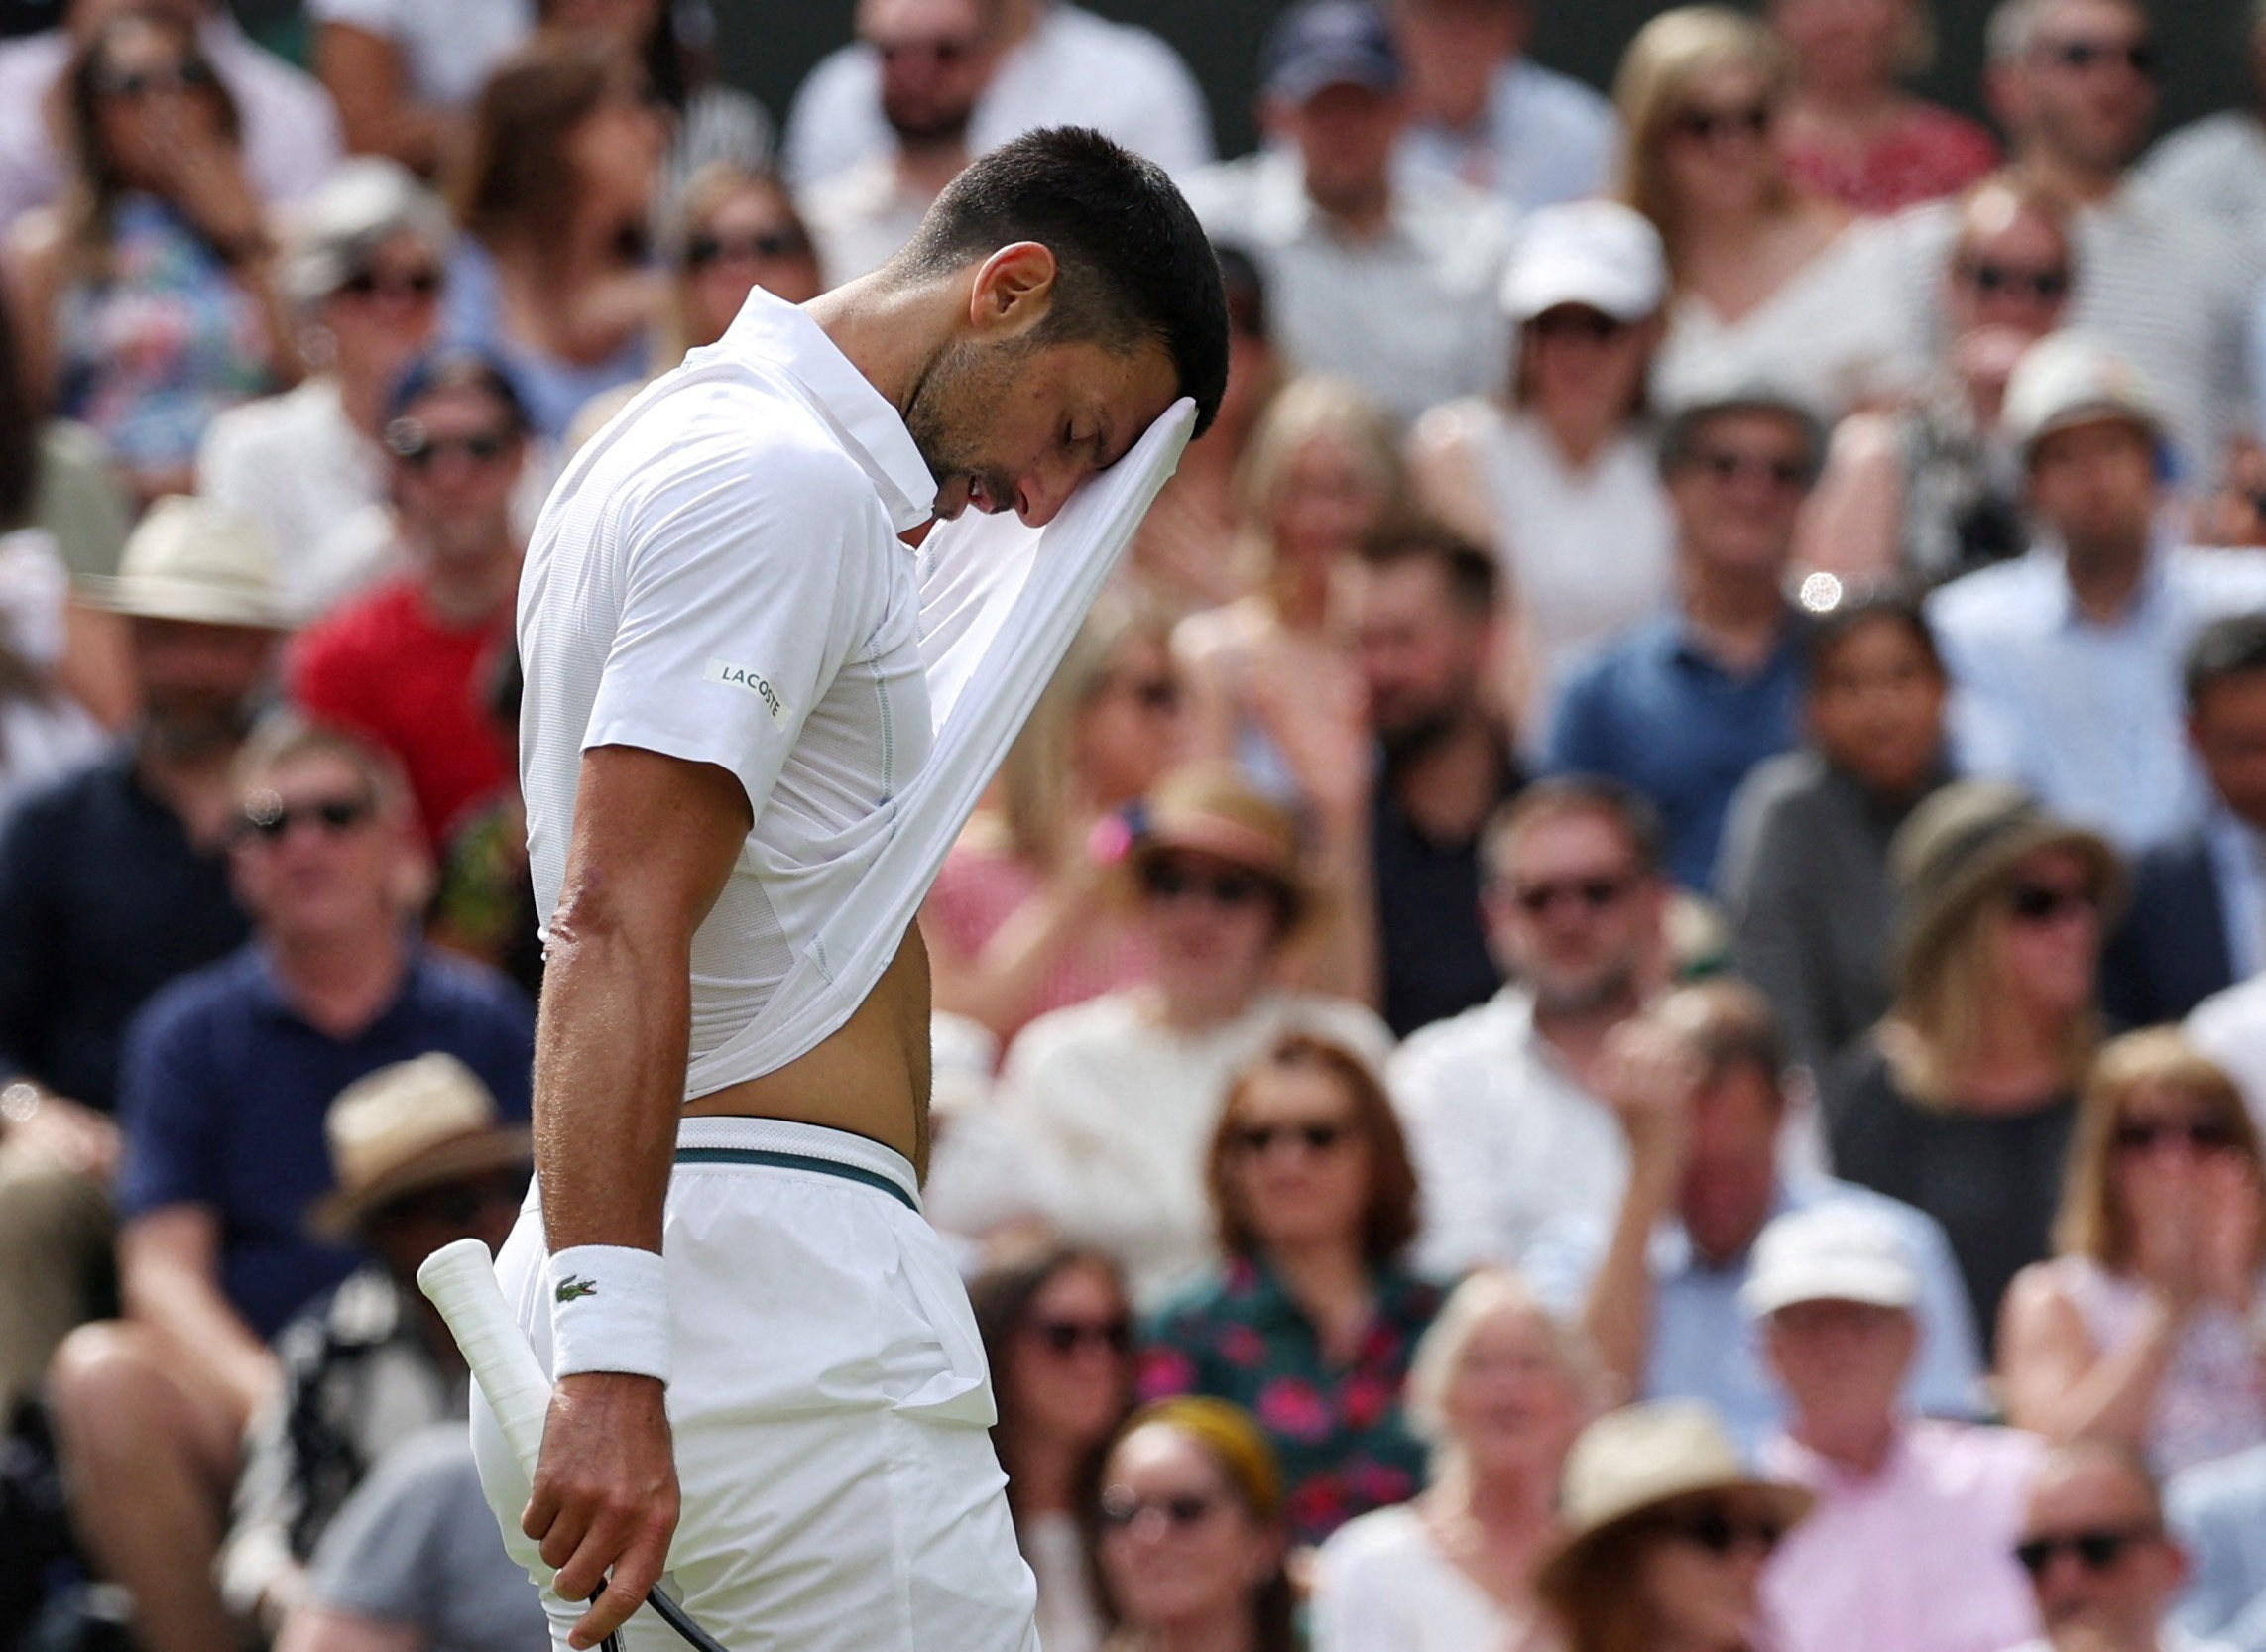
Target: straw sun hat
407, 1128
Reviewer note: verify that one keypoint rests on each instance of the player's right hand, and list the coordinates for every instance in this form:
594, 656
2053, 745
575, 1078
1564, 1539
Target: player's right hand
605, 1495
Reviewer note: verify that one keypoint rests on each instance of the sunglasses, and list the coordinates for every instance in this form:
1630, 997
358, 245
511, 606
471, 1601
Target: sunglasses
2044, 904
369, 283
1578, 321
269, 819
459, 1203
1706, 125
1720, 1532
1730, 467
1316, 1138
2203, 1135
943, 51
700, 251
1181, 1510
2043, 284
2096, 1550
1155, 694
1169, 880
418, 448
145, 82
1592, 894
1066, 1337
2139, 56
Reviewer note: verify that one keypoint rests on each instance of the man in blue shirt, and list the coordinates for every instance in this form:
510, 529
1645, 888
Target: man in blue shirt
227, 1076
1695, 1082
1680, 707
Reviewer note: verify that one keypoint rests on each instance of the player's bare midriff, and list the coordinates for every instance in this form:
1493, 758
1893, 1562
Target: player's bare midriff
871, 1075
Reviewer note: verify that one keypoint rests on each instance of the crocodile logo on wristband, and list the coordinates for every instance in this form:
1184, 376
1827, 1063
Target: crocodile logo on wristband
570, 1289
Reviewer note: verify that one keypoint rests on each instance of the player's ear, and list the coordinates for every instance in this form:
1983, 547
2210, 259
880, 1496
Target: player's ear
1013, 290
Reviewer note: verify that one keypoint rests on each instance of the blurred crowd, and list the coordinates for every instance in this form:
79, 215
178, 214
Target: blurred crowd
1615, 1003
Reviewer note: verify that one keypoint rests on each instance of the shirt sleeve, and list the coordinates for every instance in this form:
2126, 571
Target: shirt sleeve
732, 624
1577, 741
165, 1115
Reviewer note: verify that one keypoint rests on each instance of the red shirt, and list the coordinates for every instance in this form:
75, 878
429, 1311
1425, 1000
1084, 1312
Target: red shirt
385, 665
1929, 152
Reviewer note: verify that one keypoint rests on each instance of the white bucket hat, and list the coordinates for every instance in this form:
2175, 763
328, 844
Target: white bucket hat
1837, 1251
2068, 379
1597, 253
192, 560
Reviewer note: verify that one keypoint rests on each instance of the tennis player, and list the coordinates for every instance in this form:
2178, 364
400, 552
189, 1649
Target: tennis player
767, 1379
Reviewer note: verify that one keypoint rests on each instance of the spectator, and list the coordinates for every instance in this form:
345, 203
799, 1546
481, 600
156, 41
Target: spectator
1121, 1095
291, 130
364, 268
410, 662
1804, 877
1273, 679
1187, 551
146, 300
1663, 1534
1909, 1546
45, 732
1502, 1102
228, 1075
2230, 1029
1310, 1320
1058, 64
1695, 1082
2139, 1330
1681, 706
1850, 133
934, 58
2235, 514
1499, 1388
2067, 662
1014, 922
1771, 283
553, 198
411, 1563
405, 73
2211, 167
1558, 477
1058, 1334
1425, 624
111, 884
2198, 920
2072, 85
1191, 1546
423, 1161
1487, 115
1387, 280
1963, 1099
740, 232
2219, 1514
1934, 489
2101, 1563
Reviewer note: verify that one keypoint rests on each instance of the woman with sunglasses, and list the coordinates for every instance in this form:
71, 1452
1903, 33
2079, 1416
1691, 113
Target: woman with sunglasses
739, 231
1500, 1387
1309, 1319
1056, 1336
1664, 1537
147, 301
1770, 284
1962, 1098
1016, 923
1190, 1544
2142, 1328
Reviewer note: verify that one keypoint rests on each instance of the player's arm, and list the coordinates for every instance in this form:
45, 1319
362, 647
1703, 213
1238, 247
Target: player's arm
655, 838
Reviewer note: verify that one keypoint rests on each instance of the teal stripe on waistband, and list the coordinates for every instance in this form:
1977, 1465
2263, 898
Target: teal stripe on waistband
797, 1162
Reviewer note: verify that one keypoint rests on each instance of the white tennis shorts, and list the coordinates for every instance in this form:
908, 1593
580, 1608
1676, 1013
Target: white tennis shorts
830, 1406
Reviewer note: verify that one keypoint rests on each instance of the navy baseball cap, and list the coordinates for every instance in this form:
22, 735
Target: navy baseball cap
1325, 43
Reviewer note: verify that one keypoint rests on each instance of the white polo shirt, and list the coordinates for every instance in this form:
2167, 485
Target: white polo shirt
718, 577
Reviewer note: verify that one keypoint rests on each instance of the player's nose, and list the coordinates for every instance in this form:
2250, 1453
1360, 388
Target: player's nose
1042, 493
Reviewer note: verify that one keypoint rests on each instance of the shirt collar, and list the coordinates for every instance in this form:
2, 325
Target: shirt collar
871, 431
1785, 1458
2049, 560
1688, 645
266, 992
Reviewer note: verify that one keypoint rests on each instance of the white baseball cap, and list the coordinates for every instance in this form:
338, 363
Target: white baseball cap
1836, 1251
1598, 253
2068, 379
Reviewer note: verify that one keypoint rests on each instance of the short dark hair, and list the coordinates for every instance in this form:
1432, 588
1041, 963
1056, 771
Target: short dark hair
2230, 648
1836, 625
1134, 266
1679, 438
457, 367
1470, 573
1621, 804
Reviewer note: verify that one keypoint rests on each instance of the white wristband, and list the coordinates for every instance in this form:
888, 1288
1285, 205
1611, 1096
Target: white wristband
609, 1311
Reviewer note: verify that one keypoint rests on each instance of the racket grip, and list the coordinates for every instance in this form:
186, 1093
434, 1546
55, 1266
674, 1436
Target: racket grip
460, 1281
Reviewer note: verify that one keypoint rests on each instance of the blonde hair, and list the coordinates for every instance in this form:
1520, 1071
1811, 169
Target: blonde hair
2091, 1222
1307, 410
1485, 1293
1652, 90
707, 189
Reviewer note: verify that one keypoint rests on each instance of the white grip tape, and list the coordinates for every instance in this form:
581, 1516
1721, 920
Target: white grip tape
609, 1311
460, 1281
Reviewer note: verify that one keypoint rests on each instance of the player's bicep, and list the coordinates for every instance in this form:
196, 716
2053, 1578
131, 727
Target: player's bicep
655, 838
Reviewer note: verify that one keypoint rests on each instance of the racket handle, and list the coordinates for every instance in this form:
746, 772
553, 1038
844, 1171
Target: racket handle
460, 1281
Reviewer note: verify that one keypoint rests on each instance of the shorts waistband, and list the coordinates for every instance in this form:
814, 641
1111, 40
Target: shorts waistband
784, 1145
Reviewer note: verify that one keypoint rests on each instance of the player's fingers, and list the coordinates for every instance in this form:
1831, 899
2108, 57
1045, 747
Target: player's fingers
568, 1539
635, 1571
542, 1508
